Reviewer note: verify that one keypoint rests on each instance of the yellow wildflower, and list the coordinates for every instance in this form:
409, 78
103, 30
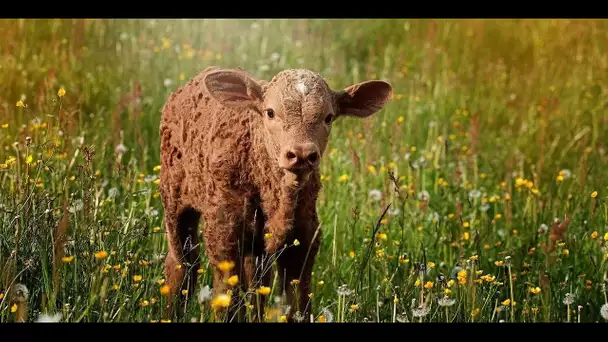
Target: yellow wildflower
101, 255
594, 194
164, 290
220, 301
61, 92
67, 259
14, 307
232, 281
535, 290
594, 235
428, 285
264, 290
296, 242
137, 278
226, 266
20, 104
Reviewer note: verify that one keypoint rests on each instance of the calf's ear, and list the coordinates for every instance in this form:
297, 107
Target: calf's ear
233, 87
363, 99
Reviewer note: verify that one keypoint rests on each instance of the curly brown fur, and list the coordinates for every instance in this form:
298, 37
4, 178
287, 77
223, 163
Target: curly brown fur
244, 155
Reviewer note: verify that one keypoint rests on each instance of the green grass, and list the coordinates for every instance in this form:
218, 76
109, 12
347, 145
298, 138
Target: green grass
485, 116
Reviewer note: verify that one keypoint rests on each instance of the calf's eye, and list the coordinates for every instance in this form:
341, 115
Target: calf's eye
270, 113
329, 118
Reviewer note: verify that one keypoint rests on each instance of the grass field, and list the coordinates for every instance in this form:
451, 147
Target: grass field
492, 156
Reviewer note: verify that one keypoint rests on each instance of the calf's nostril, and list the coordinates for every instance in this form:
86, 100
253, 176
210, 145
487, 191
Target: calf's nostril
312, 158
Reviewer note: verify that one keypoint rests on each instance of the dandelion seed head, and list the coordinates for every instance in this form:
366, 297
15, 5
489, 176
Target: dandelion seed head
375, 195
604, 311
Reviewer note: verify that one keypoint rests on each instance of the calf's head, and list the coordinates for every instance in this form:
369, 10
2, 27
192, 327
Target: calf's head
297, 109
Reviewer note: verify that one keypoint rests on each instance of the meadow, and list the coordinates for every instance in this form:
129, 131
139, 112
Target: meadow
477, 195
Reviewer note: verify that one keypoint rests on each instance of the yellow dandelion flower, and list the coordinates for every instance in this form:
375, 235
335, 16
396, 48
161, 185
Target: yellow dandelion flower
321, 282
535, 290
164, 290
296, 242
475, 312
67, 259
417, 283
354, 307
184, 292
264, 290
447, 291
144, 303
295, 282
20, 104
226, 266
381, 236
14, 307
466, 235
200, 271
400, 119
351, 254
428, 285
499, 263
1, 296
61, 92
101, 255
137, 278
566, 252
594, 235
322, 319
462, 277
372, 169
232, 281
221, 301
283, 319
430, 264
451, 282
594, 194
507, 302
465, 224
343, 178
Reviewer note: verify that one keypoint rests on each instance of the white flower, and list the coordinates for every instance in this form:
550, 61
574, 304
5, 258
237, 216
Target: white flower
124, 36
568, 299
112, 193
44, 318
566, 173
474, 194
329, 317
204, 294
168, 82
424, 196
446, 301
543, 228
375, 194
76, 207
120, 149
604, 311
394, 211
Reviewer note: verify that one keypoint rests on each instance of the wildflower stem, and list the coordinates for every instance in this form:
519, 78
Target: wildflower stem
512, 296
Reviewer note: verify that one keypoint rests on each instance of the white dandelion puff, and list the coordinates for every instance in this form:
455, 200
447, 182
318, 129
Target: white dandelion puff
45, 318
604, 311
204, 294
375, 195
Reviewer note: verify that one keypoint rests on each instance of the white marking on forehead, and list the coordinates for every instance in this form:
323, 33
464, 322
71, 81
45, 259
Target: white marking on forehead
301, 87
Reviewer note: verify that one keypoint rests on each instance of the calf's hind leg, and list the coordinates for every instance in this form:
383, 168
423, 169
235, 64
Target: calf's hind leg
182, 262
